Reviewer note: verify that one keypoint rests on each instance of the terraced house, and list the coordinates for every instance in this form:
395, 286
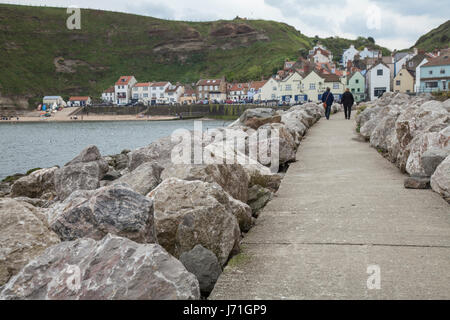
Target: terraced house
141, 92
357, 85
122, 89
435, 75
211, 88
290, 88
158, 91
173, 94
238, 91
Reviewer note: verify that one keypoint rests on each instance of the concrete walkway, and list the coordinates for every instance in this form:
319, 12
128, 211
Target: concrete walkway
340, 209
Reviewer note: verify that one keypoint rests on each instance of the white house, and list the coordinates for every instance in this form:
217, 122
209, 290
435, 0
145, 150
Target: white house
290, 89
322, 56
109, 95
366, 53
51, 101
141, 92
238, 91
122, 89
401, 58
173, 94
378, 80
254, 91
80, 101
349, 55
269, 91
418, 76
158, 92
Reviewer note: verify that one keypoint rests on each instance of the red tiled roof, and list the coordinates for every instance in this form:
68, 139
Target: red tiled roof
78, 98
143, 84
124, 80
109, 90
236, 87
442, 60
330, 77
258, 84
204, 82
159, 84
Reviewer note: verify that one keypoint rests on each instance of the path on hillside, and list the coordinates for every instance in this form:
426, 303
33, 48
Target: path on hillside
340, 209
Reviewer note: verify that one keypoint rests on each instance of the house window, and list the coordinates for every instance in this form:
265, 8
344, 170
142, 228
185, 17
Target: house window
379, 72
353, 89
274, 88
145, 95
273, 97
161, 88
397, 82
288, 87
135, 96
312, 86
442, 71
359, 89
335, 85
357, 81
430, 72
433, 84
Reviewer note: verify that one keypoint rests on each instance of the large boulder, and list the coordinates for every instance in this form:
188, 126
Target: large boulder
204, 265
158, 152
24, 234
82, 173
432, 158
5, 189
258, 197
422, 143
259, 113
188, 213
143, 179
40, 183
113, 268
440, 180
231, 177
115, 209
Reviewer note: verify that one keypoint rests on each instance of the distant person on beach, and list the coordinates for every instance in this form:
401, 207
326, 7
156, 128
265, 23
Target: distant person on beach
327, 99
347, 100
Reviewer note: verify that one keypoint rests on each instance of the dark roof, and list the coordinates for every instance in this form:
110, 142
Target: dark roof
442, 60
330, 77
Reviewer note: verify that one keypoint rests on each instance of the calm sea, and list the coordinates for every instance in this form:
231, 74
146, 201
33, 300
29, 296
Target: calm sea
31, 145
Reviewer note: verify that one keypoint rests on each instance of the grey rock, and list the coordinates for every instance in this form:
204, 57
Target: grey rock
432, 158
417, 182
89, 154
158, 152
114, 209
440, 180
111, 175
202, 263
40, 183
188, 213
258, 197
24, 234
231, 177
143, 179
113, 268
5, 189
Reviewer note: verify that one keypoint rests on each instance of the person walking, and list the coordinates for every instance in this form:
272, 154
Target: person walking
348, 100
327, 99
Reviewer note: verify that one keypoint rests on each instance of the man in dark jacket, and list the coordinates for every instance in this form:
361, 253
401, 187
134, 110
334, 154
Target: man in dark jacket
348, 101
328, 98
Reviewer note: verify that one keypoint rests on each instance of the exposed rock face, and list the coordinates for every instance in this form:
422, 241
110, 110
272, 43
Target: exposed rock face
5, 189
255, 123
143, 179
24, 234
204, 265
440, 181
432, 158
188, 213
82, 173
158, 152
231, 177
115, 209
38, 184
113, 268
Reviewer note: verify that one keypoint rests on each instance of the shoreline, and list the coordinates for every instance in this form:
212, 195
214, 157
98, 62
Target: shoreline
96, 118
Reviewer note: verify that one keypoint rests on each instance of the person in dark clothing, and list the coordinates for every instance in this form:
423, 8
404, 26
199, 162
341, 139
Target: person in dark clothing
348, 101
328, 98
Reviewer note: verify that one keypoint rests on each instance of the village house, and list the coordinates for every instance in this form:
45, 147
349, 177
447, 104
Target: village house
142, 92
254, 91
366, 53
357, 85
109, 95
321, 55
435, 74
122, 89
312, 86
404, 81
401, 59
269, 91
79, 101
290, 89
349, 55
173, 94
158, 92
335, 84
238, 91
189, 96
207, 87
51, 101
378, 81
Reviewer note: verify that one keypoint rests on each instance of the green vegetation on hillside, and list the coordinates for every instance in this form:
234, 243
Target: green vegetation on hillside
438, 38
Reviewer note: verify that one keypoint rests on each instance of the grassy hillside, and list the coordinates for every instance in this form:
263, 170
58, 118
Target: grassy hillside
40, 56
438, 38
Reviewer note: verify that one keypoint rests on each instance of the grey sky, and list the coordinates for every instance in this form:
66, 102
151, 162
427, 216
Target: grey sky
394, 24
